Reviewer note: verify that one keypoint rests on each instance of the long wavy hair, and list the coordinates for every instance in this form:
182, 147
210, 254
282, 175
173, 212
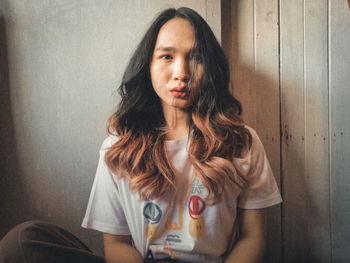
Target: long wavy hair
217, 130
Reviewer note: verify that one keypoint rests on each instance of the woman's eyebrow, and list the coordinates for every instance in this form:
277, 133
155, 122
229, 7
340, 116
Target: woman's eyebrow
169, 49
173, 49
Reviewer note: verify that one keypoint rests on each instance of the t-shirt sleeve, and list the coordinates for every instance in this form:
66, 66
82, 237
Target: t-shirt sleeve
104, 211
261, 190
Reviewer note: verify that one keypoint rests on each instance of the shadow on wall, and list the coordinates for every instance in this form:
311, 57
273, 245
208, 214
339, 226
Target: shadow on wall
243, 79
292, 199
257, 89
12, 210
19, 200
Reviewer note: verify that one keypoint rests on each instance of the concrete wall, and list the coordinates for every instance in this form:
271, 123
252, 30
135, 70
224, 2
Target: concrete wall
61, 62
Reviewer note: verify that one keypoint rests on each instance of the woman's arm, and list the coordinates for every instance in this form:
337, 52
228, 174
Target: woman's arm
250, 246
118, 248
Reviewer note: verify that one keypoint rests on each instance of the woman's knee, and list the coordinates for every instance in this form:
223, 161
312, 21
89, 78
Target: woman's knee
11, 243
39, 239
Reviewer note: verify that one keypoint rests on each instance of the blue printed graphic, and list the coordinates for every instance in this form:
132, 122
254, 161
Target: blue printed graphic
152, 212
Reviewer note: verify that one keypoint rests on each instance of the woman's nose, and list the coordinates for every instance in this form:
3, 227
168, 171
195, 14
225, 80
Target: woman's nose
181, 70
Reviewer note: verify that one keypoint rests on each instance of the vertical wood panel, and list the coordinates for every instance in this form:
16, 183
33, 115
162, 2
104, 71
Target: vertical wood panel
314, 82
242, 57
316, 129
267, 115
250, 40
305, 131
293, 140
340, 127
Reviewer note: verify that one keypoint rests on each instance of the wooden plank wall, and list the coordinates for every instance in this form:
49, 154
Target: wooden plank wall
339, 96
304, 101
290, 68
250, 40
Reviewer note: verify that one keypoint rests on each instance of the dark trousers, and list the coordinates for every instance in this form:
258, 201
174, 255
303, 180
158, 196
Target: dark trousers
37, 241
43, 242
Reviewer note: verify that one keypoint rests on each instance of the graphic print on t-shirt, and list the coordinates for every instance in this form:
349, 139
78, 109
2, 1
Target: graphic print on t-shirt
172, 239
196, 207
153, 214
196, 227
173, 226
168, 250
176, 225
197, 187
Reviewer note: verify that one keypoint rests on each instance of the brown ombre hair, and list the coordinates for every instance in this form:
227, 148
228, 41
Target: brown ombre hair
217, 130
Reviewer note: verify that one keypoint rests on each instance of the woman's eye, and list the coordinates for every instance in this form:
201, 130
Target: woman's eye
167, 57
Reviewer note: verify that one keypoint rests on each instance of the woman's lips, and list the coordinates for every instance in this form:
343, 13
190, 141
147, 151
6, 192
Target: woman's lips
179, 94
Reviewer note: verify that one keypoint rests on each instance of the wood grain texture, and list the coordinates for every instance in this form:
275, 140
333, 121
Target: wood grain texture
250, 40
339, 26
267, 115
316, 128
243, 57
314, 66
304, 146
295, 221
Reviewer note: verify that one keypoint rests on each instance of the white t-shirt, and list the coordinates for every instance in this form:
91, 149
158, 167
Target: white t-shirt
184, 227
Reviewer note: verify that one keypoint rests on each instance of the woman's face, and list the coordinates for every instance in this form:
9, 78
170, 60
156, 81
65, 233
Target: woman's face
172, 64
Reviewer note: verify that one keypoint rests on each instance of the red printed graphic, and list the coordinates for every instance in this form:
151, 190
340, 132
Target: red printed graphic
196, 206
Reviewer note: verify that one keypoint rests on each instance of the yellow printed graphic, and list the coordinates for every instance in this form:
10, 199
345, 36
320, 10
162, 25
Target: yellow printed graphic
171, 252
151, 231
196, 227
174, 225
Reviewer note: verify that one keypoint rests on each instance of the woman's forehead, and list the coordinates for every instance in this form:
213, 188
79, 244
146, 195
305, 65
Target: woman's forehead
174, 34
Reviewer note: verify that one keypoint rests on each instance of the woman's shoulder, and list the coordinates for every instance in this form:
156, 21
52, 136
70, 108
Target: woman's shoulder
251, 156
109, 141
255, 144
252, 132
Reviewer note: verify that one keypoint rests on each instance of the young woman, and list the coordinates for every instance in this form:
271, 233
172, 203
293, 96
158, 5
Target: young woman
180, 176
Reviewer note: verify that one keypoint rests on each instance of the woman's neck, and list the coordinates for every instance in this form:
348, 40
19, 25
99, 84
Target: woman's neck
177, 121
